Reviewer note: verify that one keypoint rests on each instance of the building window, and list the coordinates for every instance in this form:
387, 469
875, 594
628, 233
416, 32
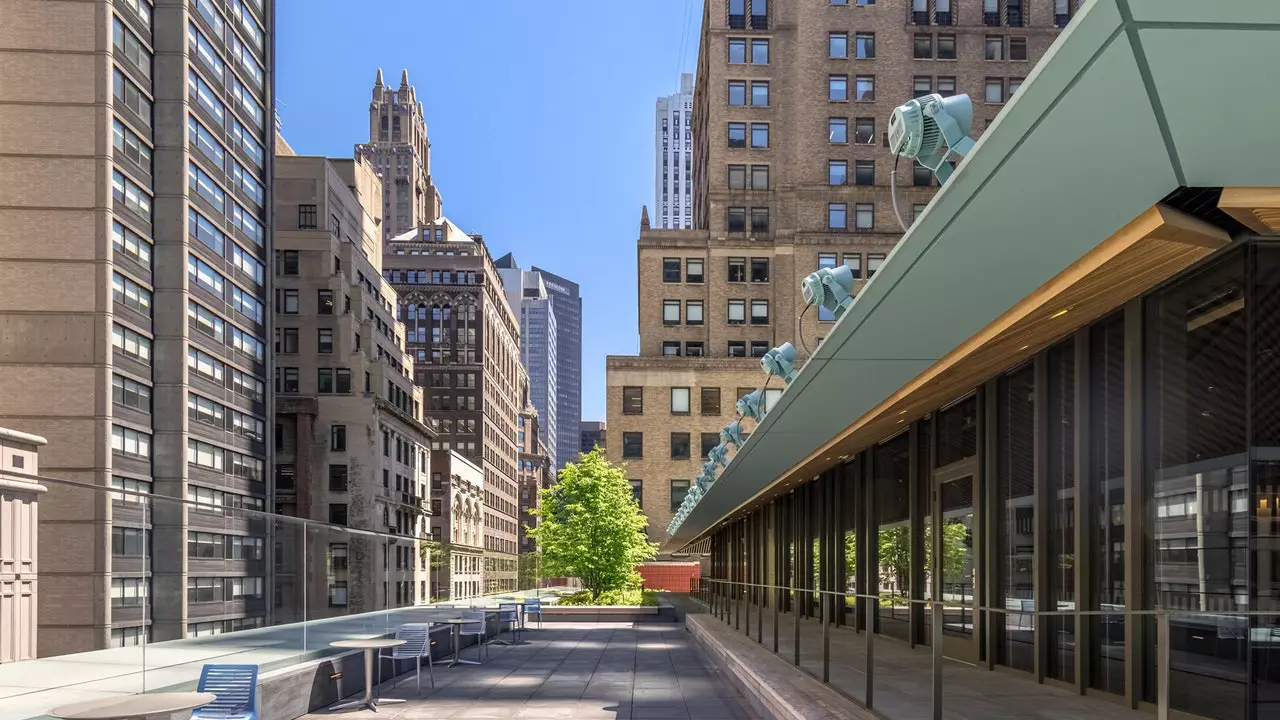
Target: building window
759, 312
1014, 84
946, 86
693, 270
130, 443
866, 88
670, 270
737, 51
737, 312
679, 489
287, 262
760, 52
759, 177
306, 217
923, 48
864, 131
759, 219
760, 93
837, 130
864, 216
874, 261
838, 45
708, 441
709, 400
737, 92
922, 86
680, 446
921, 176
1017, 48
737, 177
693, 348
324, 302
670, 312
637, 491
288, 302
338, 438
737, 135
338, 594
760, 135
854, 262
759, 270
837, 172
865, 45
837, 88
737, 219
324, 380
287, 380
679, 401
337, 478
633, 400
995, 91
737, 348
864, 172
632, 445
670, 348
759, 348
946, 47
693, 312
737, 269
130, 393
324, 341
337, 513
994, 48
836, 213
128, 542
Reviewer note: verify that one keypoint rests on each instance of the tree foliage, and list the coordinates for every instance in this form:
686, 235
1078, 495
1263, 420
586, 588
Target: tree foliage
590, 526
895, 555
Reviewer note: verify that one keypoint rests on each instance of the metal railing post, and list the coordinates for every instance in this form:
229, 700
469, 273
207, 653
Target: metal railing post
777, 596
749, 592
936, 641
737, 606
795, 627
870, 667
826, 638
1163, 656
760, 616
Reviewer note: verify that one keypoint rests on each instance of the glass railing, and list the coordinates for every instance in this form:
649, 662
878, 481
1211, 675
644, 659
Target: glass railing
138, 591
929, 658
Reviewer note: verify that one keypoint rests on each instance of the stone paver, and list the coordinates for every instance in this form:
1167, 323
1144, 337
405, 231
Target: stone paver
572, 671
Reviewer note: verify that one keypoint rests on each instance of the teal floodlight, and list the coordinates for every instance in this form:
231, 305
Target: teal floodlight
928, 129
781, 361
752, 405
732, 434
709, 469
831, 288
718, 454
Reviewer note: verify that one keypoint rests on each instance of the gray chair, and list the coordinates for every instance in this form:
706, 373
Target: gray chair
533, 606
509, 613
476, 625
417, 645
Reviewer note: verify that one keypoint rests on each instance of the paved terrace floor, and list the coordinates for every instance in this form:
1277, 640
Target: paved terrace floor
903, 679
587, 671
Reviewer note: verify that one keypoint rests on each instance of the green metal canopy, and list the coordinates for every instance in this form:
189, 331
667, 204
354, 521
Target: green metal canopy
1135, 99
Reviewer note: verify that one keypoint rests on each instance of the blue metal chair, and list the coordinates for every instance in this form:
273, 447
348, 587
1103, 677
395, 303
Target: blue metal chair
509, 614
476, 622
417, 645
236, 688
533, 606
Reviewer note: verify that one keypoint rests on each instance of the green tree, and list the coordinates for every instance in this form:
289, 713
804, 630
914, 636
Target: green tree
590, 526
895, 557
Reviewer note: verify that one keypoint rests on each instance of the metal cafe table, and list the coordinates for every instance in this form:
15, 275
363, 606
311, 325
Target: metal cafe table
369, 645
129, 707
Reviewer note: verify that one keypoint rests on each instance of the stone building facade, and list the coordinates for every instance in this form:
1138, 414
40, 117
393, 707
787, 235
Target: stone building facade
400, 152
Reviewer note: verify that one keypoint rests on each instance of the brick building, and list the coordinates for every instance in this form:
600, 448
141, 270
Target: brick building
791, 173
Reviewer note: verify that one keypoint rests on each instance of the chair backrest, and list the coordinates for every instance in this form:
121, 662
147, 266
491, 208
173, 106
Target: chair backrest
415, 636
236, 688
509, 612
533, 605
475, 621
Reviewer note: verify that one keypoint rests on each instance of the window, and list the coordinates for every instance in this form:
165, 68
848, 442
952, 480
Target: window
287, 262
324, 302
708, 441
737, 312
324, 341
946, 47
124, 483
338, 438
204, 275
922, 86
759, 135
838, 45
671, 270
337, 478
737, 135
1017, 48
865, 45
737, 269
128, 592
130, 442
130, 96
670, 348
770, 397
1014, 84
679, 401
287, 380
837, 88
737, 177
759, 219
288, 301
637, 491
130, 393
921, 176
837, 172
737, 51
130, 294
201, 183
759, 312
864, 172
759, 269
128, 145
874, 261
923, 47
693, 312
128, 542
338, 515
837, 130
710, 400
737, 348
632, 400
995, 90
693, 270
679, 489
127, 242
670, 312
760, 93
632, 445
127, 193
864, 216
836, 213
854, 262
693, 348
324, 380
736, 219
344, 381
204, 96
994, 48
306, 217
737, 92
287, 341
946, 86
866, 88
864, 131
680, 446
760, 52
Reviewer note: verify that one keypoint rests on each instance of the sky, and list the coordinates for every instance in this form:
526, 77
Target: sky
540, 117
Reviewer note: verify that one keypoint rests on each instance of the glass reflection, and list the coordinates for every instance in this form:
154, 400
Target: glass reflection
892, 470
1016, 410
1062, 491
1106, 471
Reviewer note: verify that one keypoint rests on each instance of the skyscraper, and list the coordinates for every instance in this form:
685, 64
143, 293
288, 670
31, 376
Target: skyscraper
134, 244
566, 302
673, 157
528, 298
398, 148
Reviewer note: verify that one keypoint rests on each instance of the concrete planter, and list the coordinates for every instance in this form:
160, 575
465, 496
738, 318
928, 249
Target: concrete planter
608, 613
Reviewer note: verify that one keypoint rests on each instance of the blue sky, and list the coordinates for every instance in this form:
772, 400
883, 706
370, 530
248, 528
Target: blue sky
540, 117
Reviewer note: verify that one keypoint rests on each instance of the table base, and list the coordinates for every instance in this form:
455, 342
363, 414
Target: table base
371, 703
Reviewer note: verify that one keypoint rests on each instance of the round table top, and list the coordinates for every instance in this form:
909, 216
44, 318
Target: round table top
367, 643
133, 706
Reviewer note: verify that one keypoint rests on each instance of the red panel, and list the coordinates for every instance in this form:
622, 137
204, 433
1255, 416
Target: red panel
673, 577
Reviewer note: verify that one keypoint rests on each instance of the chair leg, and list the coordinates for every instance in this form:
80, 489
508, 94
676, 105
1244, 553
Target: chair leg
417, 672
431, 669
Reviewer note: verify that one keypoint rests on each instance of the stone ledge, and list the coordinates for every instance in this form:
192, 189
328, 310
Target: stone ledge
774, 687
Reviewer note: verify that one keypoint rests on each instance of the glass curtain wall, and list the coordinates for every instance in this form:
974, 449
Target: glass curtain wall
1015, 637
1061, 446
892, 466
1107, 512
